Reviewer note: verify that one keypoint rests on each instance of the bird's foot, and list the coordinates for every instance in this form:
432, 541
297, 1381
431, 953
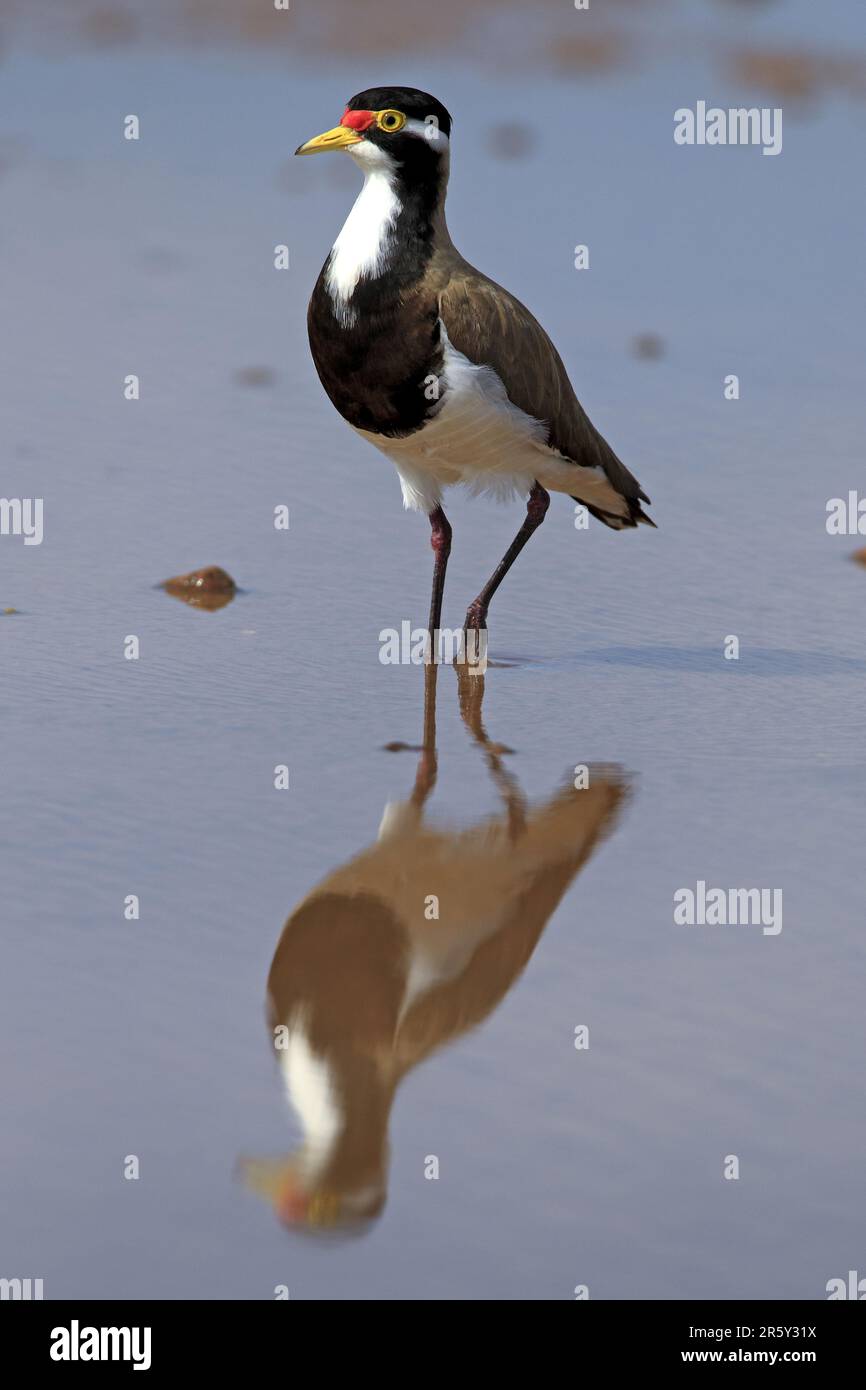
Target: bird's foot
474, 653
476, 618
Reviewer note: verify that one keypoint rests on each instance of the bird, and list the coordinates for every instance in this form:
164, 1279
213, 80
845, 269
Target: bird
368, 979
441, 369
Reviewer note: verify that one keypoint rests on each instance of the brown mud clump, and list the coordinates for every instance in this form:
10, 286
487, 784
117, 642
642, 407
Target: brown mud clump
209, 588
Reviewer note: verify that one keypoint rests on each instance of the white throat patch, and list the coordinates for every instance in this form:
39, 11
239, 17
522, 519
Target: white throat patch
312, 1091
364, 242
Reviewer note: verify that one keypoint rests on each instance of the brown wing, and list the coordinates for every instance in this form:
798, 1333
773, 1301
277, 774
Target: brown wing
492, 328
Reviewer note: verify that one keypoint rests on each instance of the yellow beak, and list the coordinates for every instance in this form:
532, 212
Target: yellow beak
336, 139
265, 1176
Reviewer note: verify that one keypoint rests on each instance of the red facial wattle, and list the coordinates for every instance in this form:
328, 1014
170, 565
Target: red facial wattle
358, 120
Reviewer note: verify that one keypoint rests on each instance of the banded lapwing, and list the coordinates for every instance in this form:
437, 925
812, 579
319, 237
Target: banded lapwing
440, 368
401, 951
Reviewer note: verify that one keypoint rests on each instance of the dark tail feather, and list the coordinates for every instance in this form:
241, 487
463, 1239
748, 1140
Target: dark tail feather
636, 514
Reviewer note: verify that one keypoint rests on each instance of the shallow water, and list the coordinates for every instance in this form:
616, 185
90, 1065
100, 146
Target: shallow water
155, 777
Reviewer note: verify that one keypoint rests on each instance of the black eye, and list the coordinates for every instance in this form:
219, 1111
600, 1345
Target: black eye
390, 121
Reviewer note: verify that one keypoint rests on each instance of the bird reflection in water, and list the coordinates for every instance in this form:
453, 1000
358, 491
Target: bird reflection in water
405, 948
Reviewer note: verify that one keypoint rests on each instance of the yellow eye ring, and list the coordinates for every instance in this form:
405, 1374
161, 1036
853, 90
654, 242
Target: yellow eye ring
390, 121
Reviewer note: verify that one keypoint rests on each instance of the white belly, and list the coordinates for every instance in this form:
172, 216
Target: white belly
479, 438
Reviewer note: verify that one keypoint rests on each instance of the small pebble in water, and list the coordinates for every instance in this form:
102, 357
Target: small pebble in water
255, 376
648, 346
